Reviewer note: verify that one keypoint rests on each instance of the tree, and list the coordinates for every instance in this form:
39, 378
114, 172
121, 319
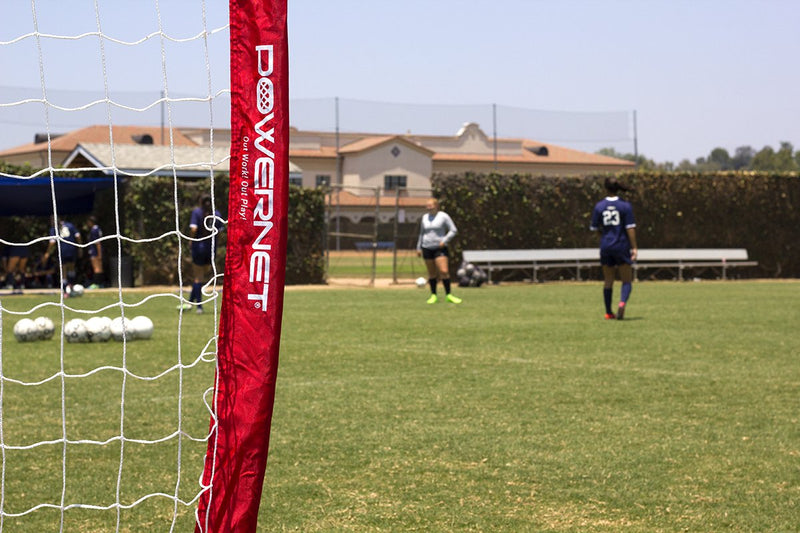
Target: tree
641, 161
784, 158
764, 159
719, 159
743, 157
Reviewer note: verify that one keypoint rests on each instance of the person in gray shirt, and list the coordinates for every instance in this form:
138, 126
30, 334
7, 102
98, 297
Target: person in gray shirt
436, 230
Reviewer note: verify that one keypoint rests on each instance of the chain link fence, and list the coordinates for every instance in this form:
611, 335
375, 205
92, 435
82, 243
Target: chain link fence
372, 234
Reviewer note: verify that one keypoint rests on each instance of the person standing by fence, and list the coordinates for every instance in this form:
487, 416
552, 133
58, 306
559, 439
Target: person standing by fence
203, 250
96, 253
67, 236
613, 218
16, 260
436, 230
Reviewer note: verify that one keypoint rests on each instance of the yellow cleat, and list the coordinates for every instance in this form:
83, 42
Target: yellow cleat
433, 299
453, 299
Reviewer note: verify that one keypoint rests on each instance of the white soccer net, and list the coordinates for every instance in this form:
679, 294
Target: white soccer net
105, 392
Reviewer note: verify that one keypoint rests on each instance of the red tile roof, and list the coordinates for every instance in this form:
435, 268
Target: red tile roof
349, 199
100, 134
372, 141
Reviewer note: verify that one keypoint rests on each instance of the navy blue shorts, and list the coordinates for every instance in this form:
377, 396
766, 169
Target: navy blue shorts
18, 251
614, 258
201, 255
433, 253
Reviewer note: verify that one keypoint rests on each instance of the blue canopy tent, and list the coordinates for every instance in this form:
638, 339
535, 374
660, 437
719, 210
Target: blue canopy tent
33, 197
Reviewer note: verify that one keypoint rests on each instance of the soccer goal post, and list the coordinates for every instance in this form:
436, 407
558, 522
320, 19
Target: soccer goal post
252, 302
143, 246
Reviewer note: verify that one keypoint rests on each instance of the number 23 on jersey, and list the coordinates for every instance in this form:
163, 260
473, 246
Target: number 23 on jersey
611, 217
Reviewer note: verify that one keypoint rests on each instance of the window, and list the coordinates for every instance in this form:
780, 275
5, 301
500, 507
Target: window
392, 182
296, 178
323, 180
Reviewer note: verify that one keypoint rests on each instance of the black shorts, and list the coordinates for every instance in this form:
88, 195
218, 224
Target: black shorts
201, 255
614, 258
433, 253
18, 251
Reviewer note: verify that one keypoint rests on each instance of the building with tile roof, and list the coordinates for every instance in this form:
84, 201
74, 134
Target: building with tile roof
190, 161
362, 163
398, 166
366, 159
61, 145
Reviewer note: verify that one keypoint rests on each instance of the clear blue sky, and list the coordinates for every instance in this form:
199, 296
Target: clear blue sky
699, 73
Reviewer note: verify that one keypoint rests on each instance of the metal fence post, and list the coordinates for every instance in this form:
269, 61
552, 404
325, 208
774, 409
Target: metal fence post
375, 236
394, 234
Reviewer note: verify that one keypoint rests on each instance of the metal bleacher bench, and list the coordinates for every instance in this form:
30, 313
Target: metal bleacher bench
578, 258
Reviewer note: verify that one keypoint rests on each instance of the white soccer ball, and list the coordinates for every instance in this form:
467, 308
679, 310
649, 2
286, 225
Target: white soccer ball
77, 290
98, 328
75, 331
421, 282
44, 328
121, 332
142, 327
25, 330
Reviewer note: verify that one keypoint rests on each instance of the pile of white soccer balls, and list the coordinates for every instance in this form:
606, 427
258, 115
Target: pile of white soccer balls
75, 291
38, 329
95, 329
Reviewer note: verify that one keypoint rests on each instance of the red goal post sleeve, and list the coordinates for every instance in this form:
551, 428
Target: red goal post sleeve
252, 299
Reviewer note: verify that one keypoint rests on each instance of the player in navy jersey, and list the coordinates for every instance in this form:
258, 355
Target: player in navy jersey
202, 250
95, 249
70, 236
44, 272
613, 218
16, 258
436, 230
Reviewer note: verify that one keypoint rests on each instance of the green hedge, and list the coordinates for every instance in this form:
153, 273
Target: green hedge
305, 257
21, 229
149, 209
756, 211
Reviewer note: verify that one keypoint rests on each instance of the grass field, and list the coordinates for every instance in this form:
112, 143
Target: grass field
92, 407
519, 410
358, 264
